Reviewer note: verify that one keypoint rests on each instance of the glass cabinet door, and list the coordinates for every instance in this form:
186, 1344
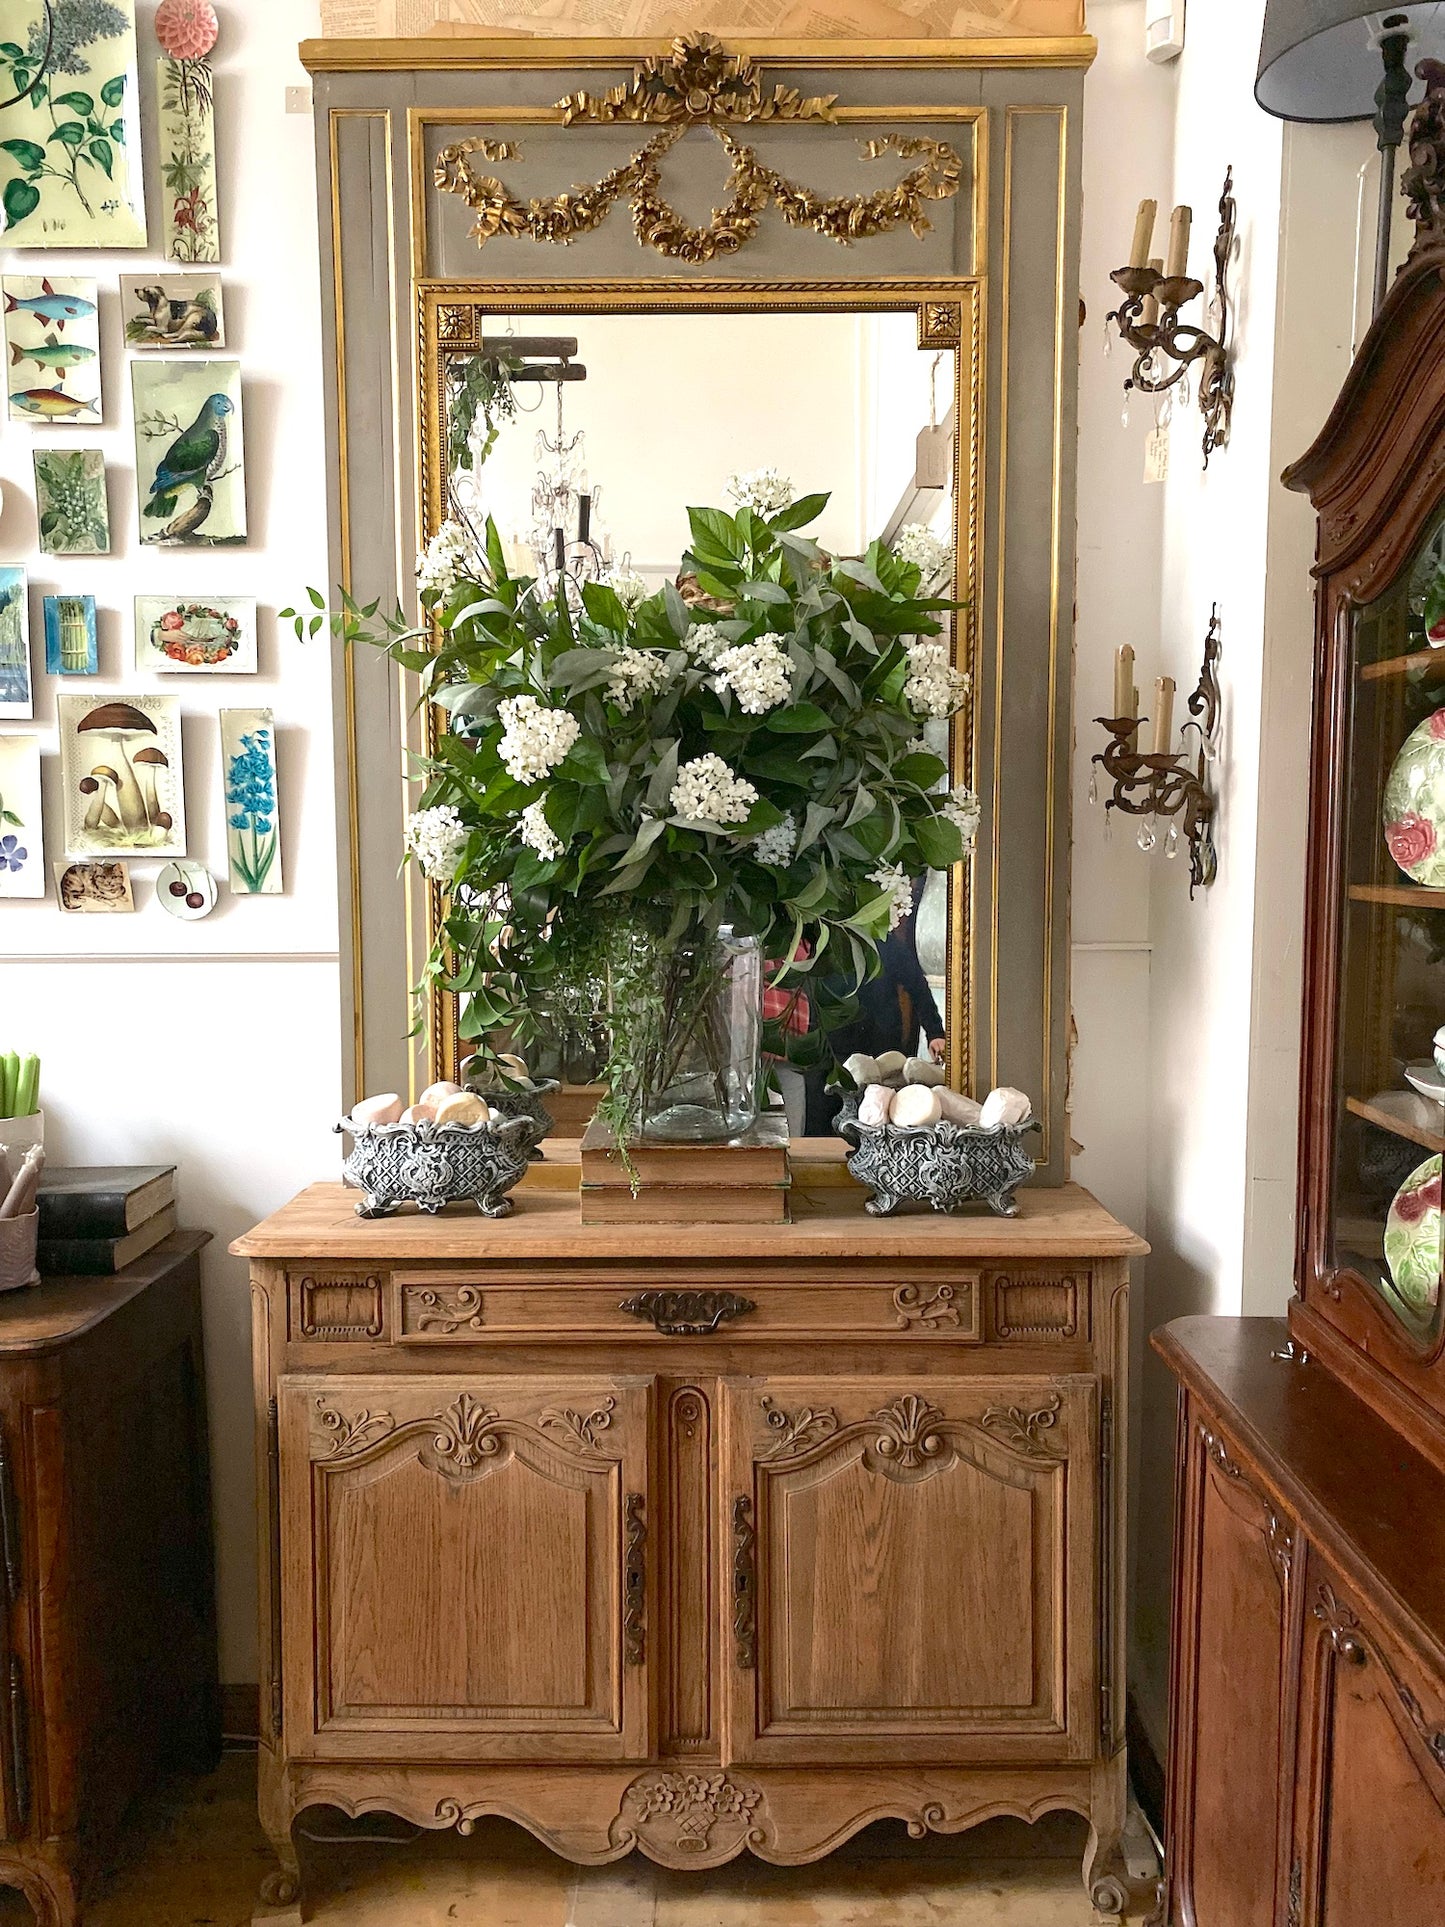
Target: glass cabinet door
1390, 1093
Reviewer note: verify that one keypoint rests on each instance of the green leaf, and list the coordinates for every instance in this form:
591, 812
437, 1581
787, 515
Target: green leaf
82, 103
26, 152
651, 830
802, 719
663, 778
103, 152
19, 199
678, 613
72, 132
798, 514
605, 607
923, 768
113, 92
940, 841
770, 592
585, 762
715, 531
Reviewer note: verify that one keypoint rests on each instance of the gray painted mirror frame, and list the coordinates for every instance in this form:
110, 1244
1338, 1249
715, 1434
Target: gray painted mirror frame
996, 284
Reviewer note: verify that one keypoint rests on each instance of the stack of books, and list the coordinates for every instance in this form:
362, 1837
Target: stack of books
98, 1218
744, 1182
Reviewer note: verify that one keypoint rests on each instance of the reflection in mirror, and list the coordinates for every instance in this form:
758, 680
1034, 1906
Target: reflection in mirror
586, 438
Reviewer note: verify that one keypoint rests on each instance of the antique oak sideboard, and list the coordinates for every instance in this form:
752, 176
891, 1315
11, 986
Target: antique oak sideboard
692, 1539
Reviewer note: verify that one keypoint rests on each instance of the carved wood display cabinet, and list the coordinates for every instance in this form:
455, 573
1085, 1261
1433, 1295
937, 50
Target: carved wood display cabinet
692, 1539
1307, 1727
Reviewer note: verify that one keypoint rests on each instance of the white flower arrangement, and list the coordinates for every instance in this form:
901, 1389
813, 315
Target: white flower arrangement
636, 673
962, 811
890, 877
436, 838
776, 846
707, 791
446, 562
763, 490
537, 833
706, 642
628, 586
534, 739
934, 687
758, 673
929, 553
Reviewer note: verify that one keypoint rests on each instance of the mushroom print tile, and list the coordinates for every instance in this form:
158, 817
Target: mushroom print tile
121, 777
253, 824
190, 465
16, 697
52, 350
70, 153
211, 635
173, 311
22, 847
70, 642
70, 501
94, 889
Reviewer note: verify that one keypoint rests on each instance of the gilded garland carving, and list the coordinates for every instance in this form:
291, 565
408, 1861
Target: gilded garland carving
700, 85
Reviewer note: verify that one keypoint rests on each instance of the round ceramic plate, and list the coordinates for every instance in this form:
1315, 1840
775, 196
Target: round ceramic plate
1415, 804
187, 890
1412, 1237
1425, 1079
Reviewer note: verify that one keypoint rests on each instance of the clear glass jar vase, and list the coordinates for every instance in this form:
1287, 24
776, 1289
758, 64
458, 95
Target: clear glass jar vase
700, 1065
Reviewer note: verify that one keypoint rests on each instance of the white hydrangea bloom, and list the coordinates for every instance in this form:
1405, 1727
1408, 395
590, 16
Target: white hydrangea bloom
628, 586
917, 543
758, 673
537, 833
934, 687
635, 673
962, 810
435, 838
705, 642
917, 746
777, 844
534, 739
447, 561
889, 876
763, 490
707, 791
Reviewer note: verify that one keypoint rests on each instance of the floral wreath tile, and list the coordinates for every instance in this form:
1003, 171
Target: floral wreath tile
52, 342
190, 459
22, 842
186, 92
121, 776
94, 889
173, 311
70, 640
16, 693
253, 829
70, 501
208, 635
70, 152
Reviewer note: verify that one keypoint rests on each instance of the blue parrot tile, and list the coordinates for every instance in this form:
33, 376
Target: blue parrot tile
190, 453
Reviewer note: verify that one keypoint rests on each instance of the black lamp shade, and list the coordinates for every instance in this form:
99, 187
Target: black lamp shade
1320, 59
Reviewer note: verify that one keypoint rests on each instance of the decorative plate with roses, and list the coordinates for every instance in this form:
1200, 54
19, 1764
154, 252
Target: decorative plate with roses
1412, 1237
1415, 804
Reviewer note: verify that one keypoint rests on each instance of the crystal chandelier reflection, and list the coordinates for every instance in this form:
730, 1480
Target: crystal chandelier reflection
568, 542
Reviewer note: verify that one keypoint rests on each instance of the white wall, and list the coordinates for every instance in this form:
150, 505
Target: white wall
212, 1044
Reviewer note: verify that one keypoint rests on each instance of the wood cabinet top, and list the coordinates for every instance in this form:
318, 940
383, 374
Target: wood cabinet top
58, 1310
828, 1222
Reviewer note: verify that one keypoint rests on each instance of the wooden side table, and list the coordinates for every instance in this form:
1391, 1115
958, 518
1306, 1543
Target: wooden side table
108, 1660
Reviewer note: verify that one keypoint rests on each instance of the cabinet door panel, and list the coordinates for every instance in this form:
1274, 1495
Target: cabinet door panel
1373, 1786
913, 1563
471, 1554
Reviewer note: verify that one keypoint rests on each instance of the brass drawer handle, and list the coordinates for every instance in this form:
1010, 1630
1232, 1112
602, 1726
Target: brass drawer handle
686, 1314
634, 1583
745, 1598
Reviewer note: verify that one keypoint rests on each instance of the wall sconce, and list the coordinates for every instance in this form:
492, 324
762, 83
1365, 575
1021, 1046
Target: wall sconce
1167, 348
1158, 782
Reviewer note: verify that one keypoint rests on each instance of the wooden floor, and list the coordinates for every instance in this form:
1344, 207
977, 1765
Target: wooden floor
195, 1858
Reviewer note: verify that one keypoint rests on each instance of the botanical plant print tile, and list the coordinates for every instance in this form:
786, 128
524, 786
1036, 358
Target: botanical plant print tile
253, 827
22, 846
121, 776
16, 692
70, 153
173, 311
70, 501
195, 635
188, 159
70, 641
190, 461
52, 349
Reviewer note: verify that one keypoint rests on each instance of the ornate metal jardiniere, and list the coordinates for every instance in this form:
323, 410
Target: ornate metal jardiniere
944, 1165
530, 1104
432, 1165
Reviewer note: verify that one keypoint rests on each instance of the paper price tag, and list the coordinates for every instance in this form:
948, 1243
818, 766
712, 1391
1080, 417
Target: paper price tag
1156, 455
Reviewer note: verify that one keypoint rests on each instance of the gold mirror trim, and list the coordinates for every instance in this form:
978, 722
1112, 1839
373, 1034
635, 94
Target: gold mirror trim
450, 321
446, 55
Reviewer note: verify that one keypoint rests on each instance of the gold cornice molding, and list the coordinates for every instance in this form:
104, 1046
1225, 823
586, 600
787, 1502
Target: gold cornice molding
444, 55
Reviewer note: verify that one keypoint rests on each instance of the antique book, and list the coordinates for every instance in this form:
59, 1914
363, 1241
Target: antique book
102, 1200
95, 1257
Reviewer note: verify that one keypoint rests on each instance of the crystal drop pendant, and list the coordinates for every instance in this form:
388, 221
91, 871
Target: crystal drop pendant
1093, 786
1124, 411
1186, 390
1108, 826
1146, 838
1108, 336
1171, 842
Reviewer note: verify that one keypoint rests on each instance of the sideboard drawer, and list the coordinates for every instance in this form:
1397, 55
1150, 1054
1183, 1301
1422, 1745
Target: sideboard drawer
452, 1308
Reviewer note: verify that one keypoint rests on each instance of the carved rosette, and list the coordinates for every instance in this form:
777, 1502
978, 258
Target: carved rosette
906, 1439
1423, 181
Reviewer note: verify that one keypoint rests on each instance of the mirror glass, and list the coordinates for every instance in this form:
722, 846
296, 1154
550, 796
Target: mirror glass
656, 413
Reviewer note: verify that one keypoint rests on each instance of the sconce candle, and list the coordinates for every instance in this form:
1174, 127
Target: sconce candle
1163, 714
1124, 680
1149, 310
1180, 222
1143, 233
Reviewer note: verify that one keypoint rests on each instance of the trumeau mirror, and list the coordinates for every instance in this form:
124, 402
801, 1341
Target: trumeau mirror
856, 268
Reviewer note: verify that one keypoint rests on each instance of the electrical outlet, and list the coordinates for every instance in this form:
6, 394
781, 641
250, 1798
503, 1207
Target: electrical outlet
298, 100
1163, 29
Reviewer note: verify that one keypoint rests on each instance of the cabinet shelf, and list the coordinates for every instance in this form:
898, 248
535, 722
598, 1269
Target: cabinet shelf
1406, 896
1397, 1126
1402, 665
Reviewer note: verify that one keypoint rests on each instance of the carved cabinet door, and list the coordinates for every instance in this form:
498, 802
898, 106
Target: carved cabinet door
1370, 1824
465, 1571
911, 1564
